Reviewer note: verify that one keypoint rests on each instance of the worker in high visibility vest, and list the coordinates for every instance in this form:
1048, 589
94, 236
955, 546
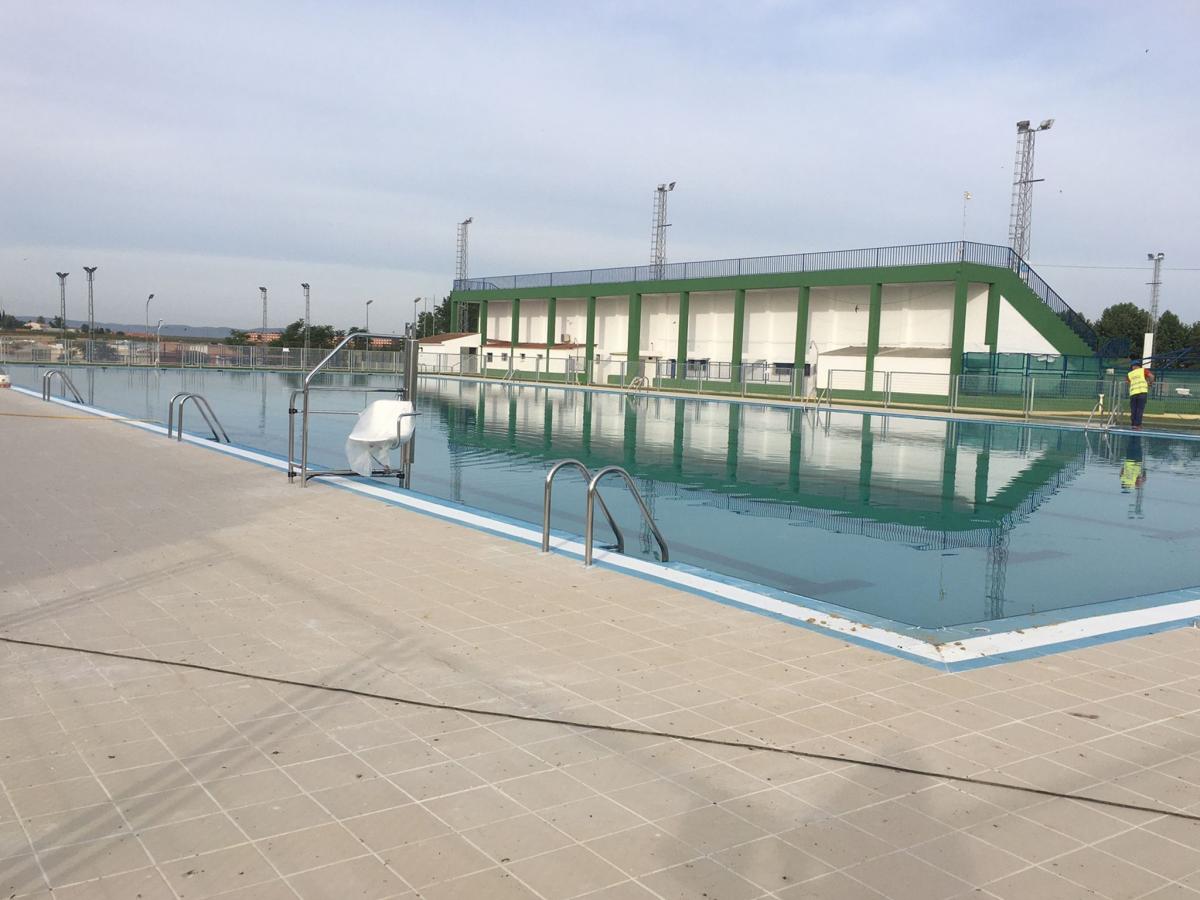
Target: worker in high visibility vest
1140, 380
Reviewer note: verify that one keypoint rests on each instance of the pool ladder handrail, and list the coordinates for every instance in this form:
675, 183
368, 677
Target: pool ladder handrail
546, 493
65, 379
593, 493
411, 370
201, 403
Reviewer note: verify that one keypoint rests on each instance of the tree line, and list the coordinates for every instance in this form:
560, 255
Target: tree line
1127, 323
435, 321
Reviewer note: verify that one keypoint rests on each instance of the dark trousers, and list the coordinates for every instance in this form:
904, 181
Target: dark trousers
1137, 406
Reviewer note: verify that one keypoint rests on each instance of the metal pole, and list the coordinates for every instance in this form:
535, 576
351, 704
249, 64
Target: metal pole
91, 274
264, 324
306, 320
62, 306
411, 351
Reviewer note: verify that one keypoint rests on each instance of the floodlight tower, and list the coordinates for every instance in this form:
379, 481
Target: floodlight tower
658, 229
1023, 182
62, 300
306, 312
460, 268
263, 291
1148, 345
91, 274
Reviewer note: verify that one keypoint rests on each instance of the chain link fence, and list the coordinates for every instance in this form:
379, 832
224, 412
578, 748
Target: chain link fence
1175, 395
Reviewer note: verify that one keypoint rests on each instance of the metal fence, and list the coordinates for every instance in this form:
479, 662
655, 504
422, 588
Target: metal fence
182, 354
1025, 393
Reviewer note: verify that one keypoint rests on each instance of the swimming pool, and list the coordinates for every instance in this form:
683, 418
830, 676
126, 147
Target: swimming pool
933, 529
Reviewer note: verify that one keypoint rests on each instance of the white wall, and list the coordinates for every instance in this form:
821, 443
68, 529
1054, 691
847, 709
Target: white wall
1015, 335
710, 325
534, 315
769, 332
916, 315
612, 325
571, 315
837, 317
660, 325
499, 320
973, 339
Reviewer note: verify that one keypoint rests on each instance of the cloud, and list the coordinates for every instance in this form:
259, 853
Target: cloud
248, 139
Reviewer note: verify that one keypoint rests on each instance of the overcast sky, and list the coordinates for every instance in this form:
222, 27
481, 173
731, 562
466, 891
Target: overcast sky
198, 150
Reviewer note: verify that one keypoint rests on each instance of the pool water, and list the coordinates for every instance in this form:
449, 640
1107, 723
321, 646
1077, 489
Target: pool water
924, 522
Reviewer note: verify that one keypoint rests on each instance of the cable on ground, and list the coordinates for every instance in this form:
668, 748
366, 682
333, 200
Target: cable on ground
612, 729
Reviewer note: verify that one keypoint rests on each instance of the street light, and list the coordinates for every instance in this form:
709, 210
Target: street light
306, 308
368, 318
91, 274
264, 328
1155, 284
416, 317
158, 343
148, 299
62, 301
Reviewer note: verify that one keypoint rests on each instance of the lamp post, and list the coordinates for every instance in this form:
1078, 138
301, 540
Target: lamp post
148, 299
1155, 284
264, 299
91, 274
306, 311
416, 317
1020, 217
158, 343
62, 302
367, 326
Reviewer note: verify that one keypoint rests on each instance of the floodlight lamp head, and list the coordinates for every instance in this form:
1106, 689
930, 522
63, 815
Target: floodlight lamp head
62, 274
1023, 125
468, 220
263, 289
1154, 256
671, 186
1046, 125
91, 270
369, 302
151, 297
304, 284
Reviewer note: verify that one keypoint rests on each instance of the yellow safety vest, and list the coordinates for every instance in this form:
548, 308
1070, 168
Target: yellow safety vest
1131, 471
1137, 382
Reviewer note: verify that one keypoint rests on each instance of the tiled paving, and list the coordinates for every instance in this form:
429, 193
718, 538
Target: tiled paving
126, 779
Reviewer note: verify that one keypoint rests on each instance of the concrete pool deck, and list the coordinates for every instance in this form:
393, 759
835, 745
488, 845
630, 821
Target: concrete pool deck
122, 777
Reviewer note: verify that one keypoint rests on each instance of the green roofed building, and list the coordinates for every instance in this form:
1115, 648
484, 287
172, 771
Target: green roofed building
848, 320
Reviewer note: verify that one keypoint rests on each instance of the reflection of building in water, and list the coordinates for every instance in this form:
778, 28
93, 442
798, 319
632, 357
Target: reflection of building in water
931, 484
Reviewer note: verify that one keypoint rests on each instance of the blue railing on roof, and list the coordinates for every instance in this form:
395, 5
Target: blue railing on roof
788, 263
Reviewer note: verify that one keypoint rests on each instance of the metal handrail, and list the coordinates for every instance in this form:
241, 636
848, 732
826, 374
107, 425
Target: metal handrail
589, 525
293, 468
65, 379
411, 363
587, 475
201, 403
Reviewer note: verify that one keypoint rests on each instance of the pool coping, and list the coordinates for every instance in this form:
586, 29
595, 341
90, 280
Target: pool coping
1048, 633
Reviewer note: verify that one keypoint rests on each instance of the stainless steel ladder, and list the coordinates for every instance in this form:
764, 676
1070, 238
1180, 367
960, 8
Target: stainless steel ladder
206, 410
587, 477
593, 494
65, 379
